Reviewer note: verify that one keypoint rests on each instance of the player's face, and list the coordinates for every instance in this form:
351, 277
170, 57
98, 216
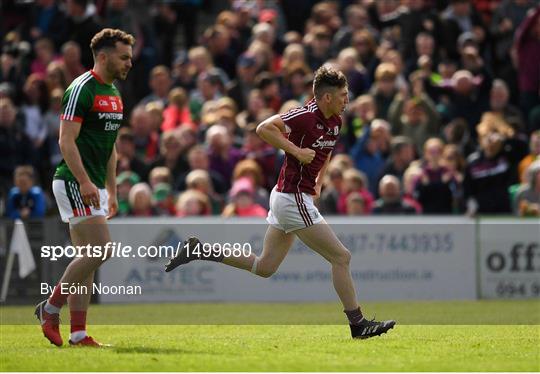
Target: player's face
119, 61
339, 100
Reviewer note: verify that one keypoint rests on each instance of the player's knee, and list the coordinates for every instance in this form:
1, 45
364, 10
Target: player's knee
343, 258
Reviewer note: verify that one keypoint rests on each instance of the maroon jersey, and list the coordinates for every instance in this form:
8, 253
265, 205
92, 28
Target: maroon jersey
306, 127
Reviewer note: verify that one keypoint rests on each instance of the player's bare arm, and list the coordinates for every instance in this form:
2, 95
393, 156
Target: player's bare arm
69, 131
271, 131
111, 185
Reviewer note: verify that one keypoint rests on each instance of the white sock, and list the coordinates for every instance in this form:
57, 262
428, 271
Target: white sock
254, 266
77, 336
51, 309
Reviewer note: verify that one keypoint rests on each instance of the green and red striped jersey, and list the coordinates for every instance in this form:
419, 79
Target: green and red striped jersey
98, 107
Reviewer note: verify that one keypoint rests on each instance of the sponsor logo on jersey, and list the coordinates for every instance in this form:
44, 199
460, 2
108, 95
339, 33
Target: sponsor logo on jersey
106, 103
111, 126
321, 143
117, 116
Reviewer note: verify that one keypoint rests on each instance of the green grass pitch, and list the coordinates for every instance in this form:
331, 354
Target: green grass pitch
430, 336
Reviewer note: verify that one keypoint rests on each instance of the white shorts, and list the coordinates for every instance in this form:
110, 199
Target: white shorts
70, 203
292, 211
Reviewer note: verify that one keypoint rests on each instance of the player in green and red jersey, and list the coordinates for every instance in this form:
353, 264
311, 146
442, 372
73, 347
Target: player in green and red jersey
84, 183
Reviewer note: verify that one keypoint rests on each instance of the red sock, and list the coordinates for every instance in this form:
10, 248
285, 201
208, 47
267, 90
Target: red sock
78, 320
58, 299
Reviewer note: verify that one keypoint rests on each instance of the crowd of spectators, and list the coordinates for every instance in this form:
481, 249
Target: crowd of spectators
444, 113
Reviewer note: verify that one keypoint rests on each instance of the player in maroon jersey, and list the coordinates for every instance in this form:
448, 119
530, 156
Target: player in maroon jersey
308, 136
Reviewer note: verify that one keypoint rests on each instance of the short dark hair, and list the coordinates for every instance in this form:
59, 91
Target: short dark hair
107, 38
399, 142
327, 78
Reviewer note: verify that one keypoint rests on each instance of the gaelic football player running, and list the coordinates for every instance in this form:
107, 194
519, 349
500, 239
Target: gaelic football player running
311, 132
84, 183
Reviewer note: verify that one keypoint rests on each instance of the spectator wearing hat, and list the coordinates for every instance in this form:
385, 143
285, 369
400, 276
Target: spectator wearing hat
163, 199
25, 199
124, 181
243, 204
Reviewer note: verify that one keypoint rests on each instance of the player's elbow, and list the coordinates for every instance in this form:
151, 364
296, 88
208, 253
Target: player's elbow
261, 129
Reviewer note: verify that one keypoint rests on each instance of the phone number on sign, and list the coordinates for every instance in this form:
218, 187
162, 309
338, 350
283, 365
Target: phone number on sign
413, 242
219, 249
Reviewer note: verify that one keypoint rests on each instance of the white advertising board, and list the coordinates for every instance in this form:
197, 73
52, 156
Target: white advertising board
509, 258
392, 258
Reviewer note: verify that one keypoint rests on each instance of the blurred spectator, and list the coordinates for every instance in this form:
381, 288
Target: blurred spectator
493, 168
355, 204
468, 99
51, 120
140, 201
356, 76
71, 56
199, 180
124, 181
127, 158
160, 83
172, 154
198, 159
15, 147
243, 202
354, 181
209, 86
240, 88
369, 151
56, 76
534, 155
390, 201
357, 19
146, 140
498, 102
333, 188
193, 203
318, 43
36, 103
177, 112
436, 186
528, 197
251, 170
223, 157
81, 28
384, 89
410, 178
155, 110
263, 154
402, 154
416, 118
163, 199
269, 86
362, 112
217, 40
364, 43
44, 52
527, 47
49, 21
25, 200
457, 132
